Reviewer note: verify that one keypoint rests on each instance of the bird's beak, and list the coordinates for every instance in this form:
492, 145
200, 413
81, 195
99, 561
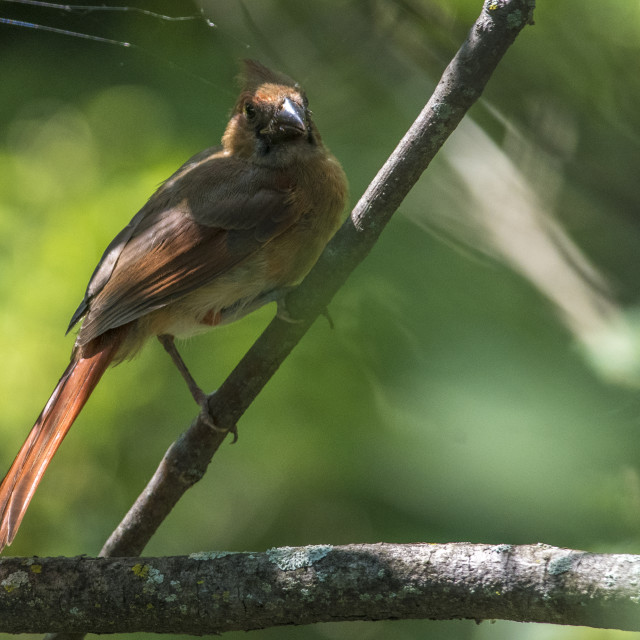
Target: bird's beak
288, 121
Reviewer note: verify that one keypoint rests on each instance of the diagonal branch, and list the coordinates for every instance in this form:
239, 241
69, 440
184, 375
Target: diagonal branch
207, 593
460, 86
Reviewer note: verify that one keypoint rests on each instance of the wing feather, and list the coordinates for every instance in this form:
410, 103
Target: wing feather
210, 215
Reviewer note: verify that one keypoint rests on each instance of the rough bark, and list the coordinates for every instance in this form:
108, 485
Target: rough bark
215, 592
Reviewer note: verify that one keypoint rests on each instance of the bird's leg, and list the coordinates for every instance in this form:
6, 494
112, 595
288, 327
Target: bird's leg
167, 341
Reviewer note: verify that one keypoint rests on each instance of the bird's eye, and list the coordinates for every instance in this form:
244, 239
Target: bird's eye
249, 111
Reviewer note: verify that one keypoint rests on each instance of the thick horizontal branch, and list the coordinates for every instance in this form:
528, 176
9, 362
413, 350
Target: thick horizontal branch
460, 86
214, 592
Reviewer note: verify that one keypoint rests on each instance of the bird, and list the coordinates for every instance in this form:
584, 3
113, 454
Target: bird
234, 228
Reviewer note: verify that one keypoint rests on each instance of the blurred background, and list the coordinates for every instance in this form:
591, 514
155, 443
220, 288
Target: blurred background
481, 382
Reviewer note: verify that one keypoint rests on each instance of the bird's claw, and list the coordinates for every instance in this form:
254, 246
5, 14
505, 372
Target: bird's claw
207, 418
284, 315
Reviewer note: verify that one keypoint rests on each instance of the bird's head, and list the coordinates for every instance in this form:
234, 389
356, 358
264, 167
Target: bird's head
271, 121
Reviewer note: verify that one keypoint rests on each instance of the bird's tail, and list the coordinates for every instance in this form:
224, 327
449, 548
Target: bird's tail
72, 391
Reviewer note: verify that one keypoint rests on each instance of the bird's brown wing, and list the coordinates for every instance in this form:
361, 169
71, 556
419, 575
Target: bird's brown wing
213, 213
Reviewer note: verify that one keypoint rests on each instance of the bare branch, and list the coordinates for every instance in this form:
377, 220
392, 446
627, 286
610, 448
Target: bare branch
460, 86
215, 592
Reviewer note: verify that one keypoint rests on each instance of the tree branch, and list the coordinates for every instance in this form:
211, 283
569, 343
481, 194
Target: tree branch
209, 593
460, 86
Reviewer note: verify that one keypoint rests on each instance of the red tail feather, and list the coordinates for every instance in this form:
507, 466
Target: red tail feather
72, 391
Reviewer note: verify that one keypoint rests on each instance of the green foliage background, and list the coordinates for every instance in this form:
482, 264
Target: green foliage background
450, 403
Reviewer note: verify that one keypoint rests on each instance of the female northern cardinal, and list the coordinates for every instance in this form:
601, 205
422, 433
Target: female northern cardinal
230, 230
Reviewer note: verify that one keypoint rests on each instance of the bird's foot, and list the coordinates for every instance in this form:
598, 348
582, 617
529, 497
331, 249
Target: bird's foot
207, 418
284, 314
